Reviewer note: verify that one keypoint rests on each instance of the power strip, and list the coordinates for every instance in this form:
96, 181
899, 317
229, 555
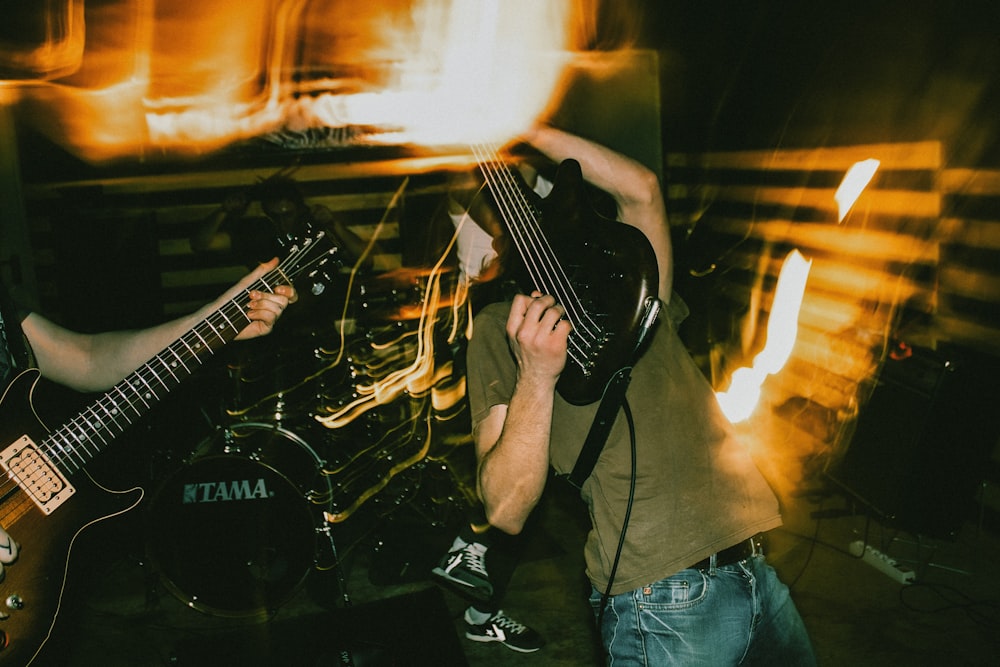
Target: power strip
898, 573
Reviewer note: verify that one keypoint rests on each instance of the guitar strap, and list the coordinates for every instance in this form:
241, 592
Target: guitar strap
604, 419
611, 403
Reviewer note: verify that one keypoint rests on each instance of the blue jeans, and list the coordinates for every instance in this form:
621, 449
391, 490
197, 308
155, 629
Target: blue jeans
738, 614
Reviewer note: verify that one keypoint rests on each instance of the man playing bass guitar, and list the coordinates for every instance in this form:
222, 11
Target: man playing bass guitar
677, 505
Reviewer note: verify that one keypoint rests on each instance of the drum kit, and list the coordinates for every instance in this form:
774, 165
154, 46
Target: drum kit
316, 422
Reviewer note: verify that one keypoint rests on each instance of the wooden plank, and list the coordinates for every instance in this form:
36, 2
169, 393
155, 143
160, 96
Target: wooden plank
973, 182
903, 203
974, 334
915, 155
970, 283
983, 234
236, 178
847, 241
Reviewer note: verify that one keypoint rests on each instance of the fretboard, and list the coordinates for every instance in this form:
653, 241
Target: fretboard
85, 436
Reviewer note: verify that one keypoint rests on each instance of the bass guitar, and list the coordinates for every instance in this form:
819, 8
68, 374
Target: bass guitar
603, 272
47, 497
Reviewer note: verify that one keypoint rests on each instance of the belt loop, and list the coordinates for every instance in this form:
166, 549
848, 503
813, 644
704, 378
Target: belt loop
757, 545
712, 561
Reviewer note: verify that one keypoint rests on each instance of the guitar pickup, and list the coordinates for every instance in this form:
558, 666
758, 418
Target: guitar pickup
35, 473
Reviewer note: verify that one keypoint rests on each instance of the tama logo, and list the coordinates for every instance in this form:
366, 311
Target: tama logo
214, 492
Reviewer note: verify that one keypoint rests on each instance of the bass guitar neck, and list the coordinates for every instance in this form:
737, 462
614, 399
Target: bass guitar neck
603, 272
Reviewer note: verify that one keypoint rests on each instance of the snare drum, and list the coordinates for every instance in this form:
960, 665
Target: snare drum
234, 531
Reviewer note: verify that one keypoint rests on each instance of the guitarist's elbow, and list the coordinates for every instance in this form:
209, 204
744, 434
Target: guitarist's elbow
505, 523
507, 517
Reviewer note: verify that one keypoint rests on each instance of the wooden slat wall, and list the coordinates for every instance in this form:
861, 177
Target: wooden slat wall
916, 259
888, 270
969, 281
359, 193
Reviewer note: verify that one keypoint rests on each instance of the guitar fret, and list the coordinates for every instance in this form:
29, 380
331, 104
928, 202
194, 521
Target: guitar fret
79, 435
112, 413
96, 426
179, 359
62, 452
168, 369
228, 321
66, 446
194, 355
152, 392
129, 403
136, 389
203, 341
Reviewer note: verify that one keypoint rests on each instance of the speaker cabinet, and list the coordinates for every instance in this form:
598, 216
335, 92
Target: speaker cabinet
922, 440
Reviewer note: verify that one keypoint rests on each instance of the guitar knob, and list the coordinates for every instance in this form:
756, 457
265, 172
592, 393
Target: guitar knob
15, 601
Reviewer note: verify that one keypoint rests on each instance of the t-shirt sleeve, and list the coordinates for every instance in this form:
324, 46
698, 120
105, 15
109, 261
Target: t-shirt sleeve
491, 369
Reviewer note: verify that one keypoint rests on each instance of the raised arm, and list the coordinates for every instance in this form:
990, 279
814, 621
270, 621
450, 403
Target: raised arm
635, 189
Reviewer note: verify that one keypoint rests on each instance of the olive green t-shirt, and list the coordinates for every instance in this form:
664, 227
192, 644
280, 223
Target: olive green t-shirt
697, 489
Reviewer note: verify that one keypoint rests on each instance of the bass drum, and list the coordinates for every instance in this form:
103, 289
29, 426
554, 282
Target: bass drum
234, 532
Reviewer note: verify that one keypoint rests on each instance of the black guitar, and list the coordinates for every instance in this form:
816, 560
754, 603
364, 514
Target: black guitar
47, 498
603, 272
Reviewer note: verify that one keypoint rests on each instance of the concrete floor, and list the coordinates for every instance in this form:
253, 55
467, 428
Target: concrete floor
856, 614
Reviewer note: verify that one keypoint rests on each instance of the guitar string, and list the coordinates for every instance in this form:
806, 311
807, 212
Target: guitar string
66, 448
528, 214
541, 262
573, 303
540, 274
217, 321
507, 198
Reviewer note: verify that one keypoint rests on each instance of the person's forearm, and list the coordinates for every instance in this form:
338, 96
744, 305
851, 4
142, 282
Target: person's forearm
512, 474
622, 177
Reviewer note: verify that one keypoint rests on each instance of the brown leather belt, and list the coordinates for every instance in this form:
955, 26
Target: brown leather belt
734, 554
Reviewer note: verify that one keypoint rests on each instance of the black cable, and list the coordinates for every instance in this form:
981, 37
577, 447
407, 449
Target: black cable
985, 613
628, 512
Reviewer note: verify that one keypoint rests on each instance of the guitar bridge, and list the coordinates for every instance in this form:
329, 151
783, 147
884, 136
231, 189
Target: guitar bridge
34, 472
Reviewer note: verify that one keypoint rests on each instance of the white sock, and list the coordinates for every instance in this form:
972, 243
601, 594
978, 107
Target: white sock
476, 617
459, 543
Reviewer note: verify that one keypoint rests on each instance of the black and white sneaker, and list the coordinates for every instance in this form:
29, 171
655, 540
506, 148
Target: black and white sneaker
502, 628
464, 568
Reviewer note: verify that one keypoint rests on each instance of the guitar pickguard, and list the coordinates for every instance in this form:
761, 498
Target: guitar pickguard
32, 470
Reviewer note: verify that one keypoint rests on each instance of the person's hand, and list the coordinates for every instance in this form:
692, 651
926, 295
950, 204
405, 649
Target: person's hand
265, 308
539, 335
8, 551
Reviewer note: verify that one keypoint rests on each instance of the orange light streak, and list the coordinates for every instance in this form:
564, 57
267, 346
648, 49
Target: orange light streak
414, 379
189, 78
855, 181
739, 401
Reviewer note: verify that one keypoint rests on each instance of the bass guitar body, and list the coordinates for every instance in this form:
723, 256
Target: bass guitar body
609, 273
34, 588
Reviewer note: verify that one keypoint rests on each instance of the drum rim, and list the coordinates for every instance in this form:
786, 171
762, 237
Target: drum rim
157, 559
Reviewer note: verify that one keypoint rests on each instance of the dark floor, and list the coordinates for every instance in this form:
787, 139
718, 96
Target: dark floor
392, 615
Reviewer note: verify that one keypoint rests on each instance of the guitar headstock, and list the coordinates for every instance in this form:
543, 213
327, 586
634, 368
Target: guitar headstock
311, 260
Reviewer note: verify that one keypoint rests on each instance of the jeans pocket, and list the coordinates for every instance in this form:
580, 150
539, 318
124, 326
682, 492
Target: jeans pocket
680, 591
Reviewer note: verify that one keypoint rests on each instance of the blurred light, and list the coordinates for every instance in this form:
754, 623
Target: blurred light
855, 181
739, 401
194, 77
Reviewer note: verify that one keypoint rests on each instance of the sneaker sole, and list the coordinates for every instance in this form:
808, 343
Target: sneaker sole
461, 587
486, 640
